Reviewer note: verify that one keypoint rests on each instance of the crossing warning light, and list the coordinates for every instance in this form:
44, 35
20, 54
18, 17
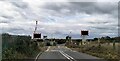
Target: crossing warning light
36, 35
84, 32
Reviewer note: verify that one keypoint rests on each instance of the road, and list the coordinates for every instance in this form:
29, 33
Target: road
62, 53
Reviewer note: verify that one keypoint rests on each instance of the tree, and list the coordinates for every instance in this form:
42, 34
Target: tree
95, 39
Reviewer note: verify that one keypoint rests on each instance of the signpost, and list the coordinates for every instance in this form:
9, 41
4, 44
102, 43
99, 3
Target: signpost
36, 35
84, 35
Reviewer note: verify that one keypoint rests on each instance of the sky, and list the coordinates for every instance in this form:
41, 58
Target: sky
57, 18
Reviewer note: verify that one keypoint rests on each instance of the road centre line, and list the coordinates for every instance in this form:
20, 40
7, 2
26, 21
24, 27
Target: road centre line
67, 56
64, 55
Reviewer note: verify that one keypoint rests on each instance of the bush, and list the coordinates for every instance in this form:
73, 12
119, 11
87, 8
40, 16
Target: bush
18, 47
101, 52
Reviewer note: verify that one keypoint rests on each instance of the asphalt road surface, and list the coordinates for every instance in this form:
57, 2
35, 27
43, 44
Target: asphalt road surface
62, 53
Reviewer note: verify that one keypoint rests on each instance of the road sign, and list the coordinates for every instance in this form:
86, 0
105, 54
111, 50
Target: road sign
84, 34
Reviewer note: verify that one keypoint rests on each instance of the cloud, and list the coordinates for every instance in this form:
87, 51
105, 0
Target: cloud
58, 19
83, 7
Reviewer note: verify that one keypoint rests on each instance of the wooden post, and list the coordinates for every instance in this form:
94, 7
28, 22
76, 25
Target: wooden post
99, 44
114, 47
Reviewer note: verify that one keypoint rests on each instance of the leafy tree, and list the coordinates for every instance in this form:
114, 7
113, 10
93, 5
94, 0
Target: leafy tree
95, 39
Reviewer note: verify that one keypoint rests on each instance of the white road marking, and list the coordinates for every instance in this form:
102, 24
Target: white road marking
64, 55
58, 46
37, 56
67, 56
40, 53
69, 49
54, 50
74, 51
48, 49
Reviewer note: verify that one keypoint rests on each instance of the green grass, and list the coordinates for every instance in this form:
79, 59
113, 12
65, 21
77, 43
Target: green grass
104, 51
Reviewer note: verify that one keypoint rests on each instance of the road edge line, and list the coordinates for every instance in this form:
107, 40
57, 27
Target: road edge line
37, 56
48, 49
40, 54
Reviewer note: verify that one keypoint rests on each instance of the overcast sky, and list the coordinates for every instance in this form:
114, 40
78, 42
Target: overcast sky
57, 18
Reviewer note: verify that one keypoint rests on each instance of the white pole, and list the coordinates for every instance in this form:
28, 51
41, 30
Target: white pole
83, 39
